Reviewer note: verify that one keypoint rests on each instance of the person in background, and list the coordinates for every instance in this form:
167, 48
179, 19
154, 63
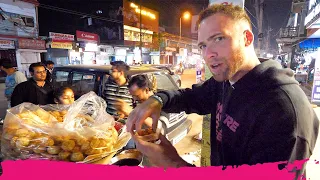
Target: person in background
36, 90
140, 88
259, 114
63, 95
116, 88
49, 69
13, 78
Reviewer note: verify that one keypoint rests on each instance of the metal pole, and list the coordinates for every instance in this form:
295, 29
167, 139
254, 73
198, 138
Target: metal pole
140, 32
180, 33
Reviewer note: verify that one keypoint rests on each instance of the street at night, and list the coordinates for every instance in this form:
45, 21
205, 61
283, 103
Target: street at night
161, 83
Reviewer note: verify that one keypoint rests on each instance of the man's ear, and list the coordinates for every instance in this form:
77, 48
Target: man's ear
31, 73
248, 38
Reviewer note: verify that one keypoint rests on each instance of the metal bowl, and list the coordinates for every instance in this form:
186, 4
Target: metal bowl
130, 157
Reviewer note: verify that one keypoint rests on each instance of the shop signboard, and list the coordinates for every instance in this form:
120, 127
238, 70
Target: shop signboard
131, 16
7, 44
315, 98
87, 37
31, 44
61, 37
61, 45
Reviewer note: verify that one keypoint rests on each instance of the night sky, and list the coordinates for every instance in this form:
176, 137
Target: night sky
276, 12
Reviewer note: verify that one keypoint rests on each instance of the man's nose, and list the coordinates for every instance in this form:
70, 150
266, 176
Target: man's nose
209, 53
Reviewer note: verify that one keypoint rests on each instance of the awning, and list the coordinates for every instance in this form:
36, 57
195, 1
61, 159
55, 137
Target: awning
310, 43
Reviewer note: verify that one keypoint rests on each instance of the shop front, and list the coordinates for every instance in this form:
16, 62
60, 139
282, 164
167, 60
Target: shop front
168, 56
7, 50
155, 57
105, 54
28, 52
88, 47
60, 48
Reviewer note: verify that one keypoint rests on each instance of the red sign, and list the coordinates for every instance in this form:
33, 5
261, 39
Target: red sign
87, 37
31, 44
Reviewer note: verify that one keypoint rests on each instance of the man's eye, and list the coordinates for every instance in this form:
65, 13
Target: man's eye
202, 47
218, 39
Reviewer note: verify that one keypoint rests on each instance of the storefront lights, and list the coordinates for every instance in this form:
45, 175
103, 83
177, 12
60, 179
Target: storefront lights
143, 12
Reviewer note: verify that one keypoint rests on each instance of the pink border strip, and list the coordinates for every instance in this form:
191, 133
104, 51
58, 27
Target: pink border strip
41, 169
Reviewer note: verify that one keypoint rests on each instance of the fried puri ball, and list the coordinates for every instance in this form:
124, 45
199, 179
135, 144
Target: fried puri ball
76, 149
53, 150
44, 140
94, 143
85, 146
68, 145
64, 155
22, 142
39, 149
76, 157
9, 134
13, 141
63, 113
43, 115
22, 132
93, 151
81, 141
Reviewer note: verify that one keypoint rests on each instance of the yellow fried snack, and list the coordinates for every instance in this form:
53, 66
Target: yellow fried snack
43, 115
81, 141
68, 145
9, 133
13, 141
22, 132
77, 156
94, 143
22, 142
63, 113
53, 150
39, 149
63, 155
93, 151
76, 149
85, 146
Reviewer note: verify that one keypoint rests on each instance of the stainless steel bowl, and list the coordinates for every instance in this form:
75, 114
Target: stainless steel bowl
130, 157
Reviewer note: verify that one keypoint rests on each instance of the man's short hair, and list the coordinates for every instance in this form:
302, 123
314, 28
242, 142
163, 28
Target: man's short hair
49, 62
142, 81
121, 66
6, 63
33, 65
234, 12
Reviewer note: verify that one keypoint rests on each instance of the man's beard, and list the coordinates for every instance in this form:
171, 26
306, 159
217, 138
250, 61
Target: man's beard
236, 62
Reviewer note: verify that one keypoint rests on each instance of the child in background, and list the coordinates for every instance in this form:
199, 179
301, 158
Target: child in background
64, 95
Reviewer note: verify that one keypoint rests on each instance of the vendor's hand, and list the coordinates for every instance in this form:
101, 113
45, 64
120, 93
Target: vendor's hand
161, 155
123, 107
150, 108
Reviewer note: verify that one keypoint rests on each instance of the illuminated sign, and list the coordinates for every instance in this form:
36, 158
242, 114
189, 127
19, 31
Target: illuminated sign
61, 45
143, 12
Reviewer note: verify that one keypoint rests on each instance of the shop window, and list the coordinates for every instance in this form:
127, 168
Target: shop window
83, 83
60, 78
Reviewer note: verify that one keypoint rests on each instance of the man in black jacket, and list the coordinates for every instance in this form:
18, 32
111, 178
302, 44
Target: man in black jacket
36, 90
258, 111
49, 68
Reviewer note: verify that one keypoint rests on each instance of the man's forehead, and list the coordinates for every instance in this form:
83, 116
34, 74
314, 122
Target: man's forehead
39, 67
134, 87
